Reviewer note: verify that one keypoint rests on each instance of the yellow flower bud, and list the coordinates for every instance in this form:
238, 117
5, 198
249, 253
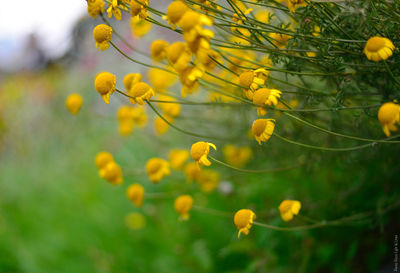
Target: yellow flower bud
135, 193
182, 205
156, 169
289, 208
105, 85
263, 129
243, 220
102, 159
199, 152
74, 103
102, 35
389, 115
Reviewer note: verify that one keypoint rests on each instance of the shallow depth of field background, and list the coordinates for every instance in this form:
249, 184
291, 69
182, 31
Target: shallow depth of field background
58, 215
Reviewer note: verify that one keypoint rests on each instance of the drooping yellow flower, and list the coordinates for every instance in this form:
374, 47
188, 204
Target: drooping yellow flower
95, 7
105, 85
114, 10
102, 159
182, 205
293, 4
199, 152
378, 48
112, 173
102, 35
191, 171
279, 39
175, 11
252, 80
193, 32
237, 156
179, 55
266, 96
131, 79
389, 115
135, 193
158, 50
139, 10
178, 158
140, 92
189, 79
140, 27
263, 129
243, 220
208, 180
170, 109
161, 80
135, 221
289, 208
156, 169
74, 103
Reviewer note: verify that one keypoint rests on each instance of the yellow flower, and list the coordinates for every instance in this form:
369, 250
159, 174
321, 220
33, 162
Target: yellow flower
389, 115
140, 92
139, 10
140, 27
252, 80
208, 180
158, 50
161, 80
266, 96
243, 220
170, 109
191, 171
131, 79
135, 221
289, 208
156, 169
263, 129
135, 193
199, 152
188, 78
280, 40
112, 173
293, 4
378, 48
236, 156
175, 11
74, 103
161, 126
182, 205
193, 32
105, 85
95, 7
114, 10
178, 158
102, 159
179, 56
102, 35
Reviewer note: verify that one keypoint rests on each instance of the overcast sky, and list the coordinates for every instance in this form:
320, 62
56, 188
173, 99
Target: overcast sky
52, 20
